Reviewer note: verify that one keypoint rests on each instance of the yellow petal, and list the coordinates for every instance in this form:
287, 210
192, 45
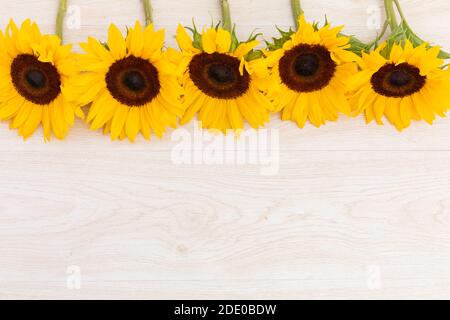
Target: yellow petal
22, 115
33, 121
422, 107
154, 42
396, 54
235, 116
379, 107
56, 120
301, 109
245, 48
133, 123
103, 110
145, 125
116, 43
183, 39
118, 121
46, 123
136, 40
392, 112
369, 114
406, 111
315, 112
223, 41
209, 40
10, 108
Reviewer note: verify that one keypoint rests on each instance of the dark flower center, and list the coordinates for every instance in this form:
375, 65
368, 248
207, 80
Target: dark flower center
397, 81
399, 78
307, 68
133, 81
36, 81
221, 73
306, 65
217, 75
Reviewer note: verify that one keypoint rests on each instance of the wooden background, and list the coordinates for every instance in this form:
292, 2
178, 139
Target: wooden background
356, 211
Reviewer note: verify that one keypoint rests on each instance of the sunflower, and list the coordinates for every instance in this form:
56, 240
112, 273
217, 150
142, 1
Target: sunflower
35, 70
222, 83
409, 85
130, 83
308, 72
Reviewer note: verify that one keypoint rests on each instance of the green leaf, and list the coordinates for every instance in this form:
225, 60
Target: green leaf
197, 37
254, 54
417, 41
444, 55
234, 40
253, 36
277, 43
357, 46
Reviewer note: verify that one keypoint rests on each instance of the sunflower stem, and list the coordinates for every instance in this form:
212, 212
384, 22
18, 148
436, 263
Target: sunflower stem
400, 11
380, 35
226, 15
297, 11
148, 12
62, 10
391, 17
443, 54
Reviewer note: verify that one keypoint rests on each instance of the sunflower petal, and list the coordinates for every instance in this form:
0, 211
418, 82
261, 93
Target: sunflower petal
116, 43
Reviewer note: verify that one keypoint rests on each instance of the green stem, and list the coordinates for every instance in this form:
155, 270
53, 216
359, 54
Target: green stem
442, 55
297, 11
380, 35
403, 18
226, 15
62, 10
390, 14
400, 11
148, 12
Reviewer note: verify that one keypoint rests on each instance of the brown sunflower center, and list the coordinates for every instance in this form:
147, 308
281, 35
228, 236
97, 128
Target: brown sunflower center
397, 81
306, 65
133, 81
307, 68
221, 73
36, 81
217, 75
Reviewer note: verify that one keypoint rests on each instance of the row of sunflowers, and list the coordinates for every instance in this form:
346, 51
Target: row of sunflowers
132, 85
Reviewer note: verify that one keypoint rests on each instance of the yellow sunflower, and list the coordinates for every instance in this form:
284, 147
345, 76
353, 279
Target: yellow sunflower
308, 73
34, 80
409, 85
220, 83
131, 84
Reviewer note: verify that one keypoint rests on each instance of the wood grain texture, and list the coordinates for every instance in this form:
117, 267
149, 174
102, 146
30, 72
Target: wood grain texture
355, 211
